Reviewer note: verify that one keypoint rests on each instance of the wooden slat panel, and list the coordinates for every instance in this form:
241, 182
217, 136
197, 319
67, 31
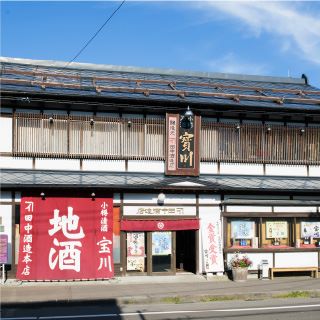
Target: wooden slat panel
256, 144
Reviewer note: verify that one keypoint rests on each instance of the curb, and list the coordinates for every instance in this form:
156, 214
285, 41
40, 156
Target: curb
177, 299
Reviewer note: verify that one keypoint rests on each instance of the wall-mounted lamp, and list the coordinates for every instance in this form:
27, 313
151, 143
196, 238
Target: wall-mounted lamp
302, 131
51, 120
93, 196
161, 198
188, 113
91, 122
187, 121
268, 129
238, 127
43, 196
25, 99
129, 123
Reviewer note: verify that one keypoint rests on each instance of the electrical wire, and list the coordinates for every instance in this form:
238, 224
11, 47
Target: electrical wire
96, 33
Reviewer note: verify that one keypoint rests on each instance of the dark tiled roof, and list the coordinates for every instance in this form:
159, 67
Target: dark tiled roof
14, 178
19, 75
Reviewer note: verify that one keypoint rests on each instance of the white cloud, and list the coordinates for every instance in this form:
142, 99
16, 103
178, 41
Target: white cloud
231, 64
287, 20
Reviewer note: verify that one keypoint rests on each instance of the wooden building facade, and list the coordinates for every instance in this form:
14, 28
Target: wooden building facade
197, 166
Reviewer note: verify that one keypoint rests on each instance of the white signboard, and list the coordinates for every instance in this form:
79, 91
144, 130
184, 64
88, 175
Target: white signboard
310, 229
277, 229
211, 233
159, 211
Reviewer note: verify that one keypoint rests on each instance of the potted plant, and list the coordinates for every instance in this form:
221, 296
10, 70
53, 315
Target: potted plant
239, 265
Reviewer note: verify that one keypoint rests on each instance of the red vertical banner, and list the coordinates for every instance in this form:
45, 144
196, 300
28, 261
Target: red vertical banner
65, 238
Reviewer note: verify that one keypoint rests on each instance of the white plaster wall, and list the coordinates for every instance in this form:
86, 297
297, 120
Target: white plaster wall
103, 165
256, 259
145, 166
5, 196
275, 170
295, 209
179, 199
314, 171
57, 164
239, 168
296, 259
6, 134
209, 199
6, 215
15, 163
208, 168
249, 209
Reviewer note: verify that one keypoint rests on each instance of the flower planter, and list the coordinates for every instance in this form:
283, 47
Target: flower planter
239, 274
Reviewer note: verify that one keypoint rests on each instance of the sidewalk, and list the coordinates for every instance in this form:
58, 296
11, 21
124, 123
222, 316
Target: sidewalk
157, 289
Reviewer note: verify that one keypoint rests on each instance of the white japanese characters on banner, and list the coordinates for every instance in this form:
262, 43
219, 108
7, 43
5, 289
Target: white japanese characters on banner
211, 233
65, 238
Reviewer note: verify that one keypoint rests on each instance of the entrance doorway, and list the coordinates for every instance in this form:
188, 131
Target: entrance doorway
186, 251
160, 252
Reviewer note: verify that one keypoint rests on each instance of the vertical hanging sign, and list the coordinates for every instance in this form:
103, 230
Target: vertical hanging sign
182, 157
65, 238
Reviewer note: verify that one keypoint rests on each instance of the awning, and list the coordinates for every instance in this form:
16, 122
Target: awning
159, 225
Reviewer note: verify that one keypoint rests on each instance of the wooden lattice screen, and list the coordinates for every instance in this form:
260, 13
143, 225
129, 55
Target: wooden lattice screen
37, 135
260, 143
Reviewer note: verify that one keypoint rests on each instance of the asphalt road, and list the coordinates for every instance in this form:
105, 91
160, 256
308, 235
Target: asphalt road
275, 309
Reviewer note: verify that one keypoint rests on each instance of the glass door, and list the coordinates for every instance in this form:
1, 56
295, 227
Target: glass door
162, 252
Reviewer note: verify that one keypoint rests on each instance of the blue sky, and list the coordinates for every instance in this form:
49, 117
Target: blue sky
254, 37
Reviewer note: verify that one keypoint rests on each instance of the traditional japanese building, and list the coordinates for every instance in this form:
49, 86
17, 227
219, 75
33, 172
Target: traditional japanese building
110, 170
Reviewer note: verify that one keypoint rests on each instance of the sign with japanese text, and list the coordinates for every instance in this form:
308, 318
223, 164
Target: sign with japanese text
161, 243
159, 211
65, 238
182, 156
310, 229
135, 251
242, 229
277, 229
211, 232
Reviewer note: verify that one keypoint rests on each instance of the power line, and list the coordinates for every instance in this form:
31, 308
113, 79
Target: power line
96, 33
